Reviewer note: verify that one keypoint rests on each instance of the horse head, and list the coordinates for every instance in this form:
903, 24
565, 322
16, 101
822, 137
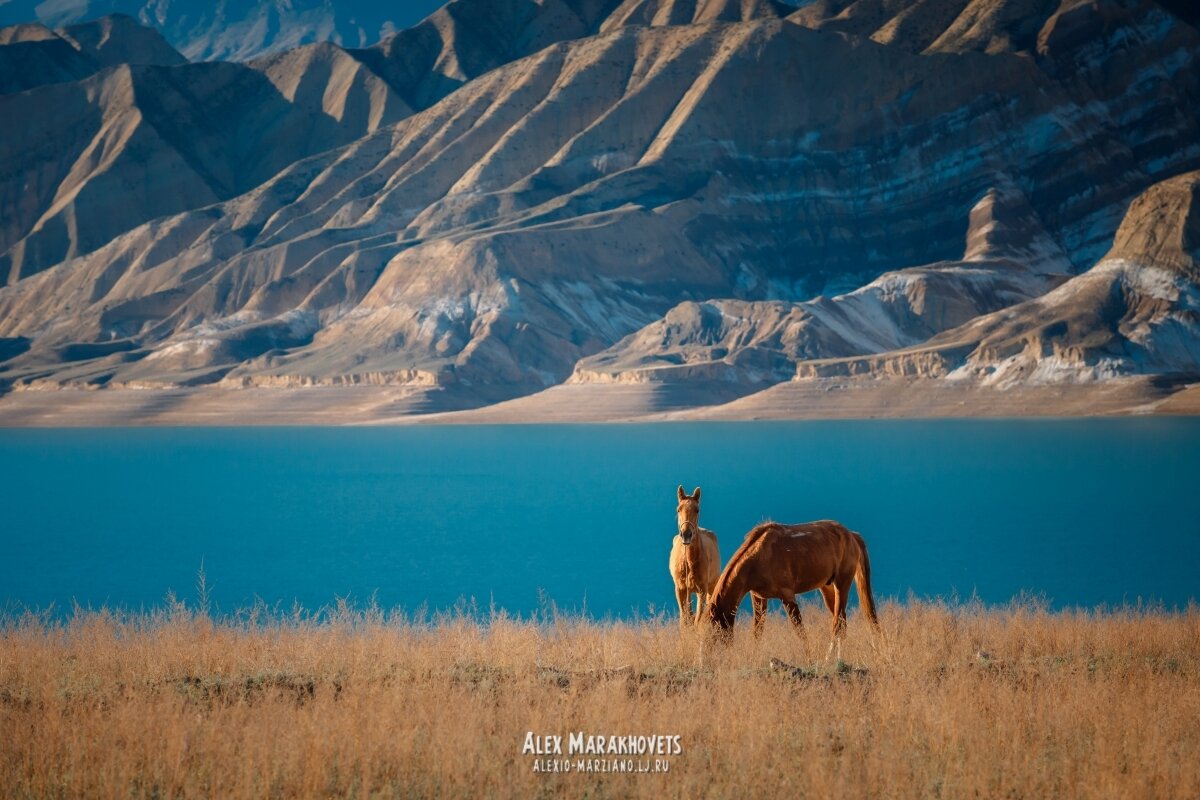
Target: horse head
720, 620
687, 514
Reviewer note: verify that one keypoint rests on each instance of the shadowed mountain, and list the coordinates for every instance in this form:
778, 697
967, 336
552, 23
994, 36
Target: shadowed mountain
993, 26
467, 38
32, 55
99, 156
119, 39
533, 213
238, 30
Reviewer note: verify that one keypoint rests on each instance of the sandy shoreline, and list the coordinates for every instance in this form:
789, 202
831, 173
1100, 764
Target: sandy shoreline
383, 405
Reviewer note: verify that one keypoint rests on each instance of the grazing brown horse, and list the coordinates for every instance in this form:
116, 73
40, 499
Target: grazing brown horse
783, 561
695, 561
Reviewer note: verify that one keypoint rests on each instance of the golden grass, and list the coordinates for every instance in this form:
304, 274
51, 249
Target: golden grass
357, 704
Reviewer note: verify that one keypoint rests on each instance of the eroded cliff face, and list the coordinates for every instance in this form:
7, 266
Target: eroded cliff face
1136, 312
605, 192
1008, 257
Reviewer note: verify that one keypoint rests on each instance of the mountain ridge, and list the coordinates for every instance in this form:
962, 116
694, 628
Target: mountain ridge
724, 195
227, 30
33, 55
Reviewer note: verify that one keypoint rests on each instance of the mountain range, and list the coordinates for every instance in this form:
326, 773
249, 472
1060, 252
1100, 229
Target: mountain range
234, 29
693, 207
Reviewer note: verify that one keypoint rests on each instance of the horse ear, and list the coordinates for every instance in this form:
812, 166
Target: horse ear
696, 494
681, 492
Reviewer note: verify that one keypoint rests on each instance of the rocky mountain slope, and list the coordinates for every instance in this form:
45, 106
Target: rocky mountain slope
1136, 312
317, 96
1008, 258
156, 135
1032, 27
513, 194
240, 30
32, 55
467, 38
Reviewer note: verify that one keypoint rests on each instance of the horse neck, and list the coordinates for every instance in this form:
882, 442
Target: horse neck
694, 553
728, 595
734, 583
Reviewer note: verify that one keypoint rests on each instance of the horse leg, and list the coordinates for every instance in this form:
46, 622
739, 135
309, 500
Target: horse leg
793, 612
833, 601
701, 600
681, 596
759, 603
829, 595
839, 618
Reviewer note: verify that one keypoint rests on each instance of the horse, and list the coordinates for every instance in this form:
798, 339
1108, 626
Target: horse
695, 560
777, 560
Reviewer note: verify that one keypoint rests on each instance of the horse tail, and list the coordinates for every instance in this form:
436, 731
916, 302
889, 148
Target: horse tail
862, 579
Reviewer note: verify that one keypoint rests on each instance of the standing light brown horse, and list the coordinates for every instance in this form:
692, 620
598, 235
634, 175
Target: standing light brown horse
783, 561
695, 561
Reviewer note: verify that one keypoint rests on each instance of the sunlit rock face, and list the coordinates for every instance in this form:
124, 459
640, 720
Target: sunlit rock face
517, 194
1136, 312
1008, 258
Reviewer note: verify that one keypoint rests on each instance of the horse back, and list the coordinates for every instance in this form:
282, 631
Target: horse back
808, 555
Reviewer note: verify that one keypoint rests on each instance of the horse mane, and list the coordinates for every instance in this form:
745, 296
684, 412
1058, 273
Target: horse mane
757, 528
752, 536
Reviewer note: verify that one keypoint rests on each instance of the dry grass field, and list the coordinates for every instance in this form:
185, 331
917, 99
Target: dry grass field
359, 704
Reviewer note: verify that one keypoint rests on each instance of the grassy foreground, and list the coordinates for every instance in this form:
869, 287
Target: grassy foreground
358, 704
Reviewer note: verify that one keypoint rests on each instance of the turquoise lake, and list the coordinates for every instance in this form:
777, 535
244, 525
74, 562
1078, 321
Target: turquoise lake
1078, 512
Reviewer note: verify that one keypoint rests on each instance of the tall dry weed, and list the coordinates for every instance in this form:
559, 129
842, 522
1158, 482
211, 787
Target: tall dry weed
945, 701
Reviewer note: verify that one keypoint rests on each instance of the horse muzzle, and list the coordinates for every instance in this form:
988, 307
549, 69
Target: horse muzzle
686, 535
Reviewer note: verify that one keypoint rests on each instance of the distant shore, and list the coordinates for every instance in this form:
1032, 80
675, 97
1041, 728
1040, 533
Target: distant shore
591, 403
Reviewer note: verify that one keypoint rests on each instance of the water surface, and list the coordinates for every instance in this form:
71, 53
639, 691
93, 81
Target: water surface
1080, 512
